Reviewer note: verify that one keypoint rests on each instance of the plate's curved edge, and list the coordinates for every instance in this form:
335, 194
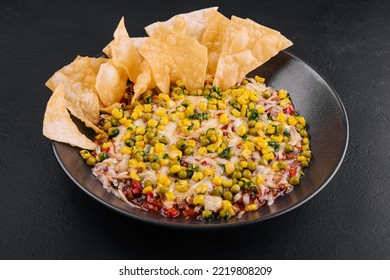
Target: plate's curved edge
208, 226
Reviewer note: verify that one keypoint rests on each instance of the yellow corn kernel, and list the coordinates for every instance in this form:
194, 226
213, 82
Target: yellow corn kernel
181, 115
269, 156
305, 147
244, 108
260, 109
140, 144
139, 108
191, 143
160, 112
242, 100
107, 145
224, 118
282, 93
292, 120
270, 129
161, 127
159, 147
122, 121
227, 183
175, 154
125, 150
164, 180
222, 105
277, 138
169, 196
244, 163
147, 189
207, 171
246, 153
182, 186
241, 130
212, 107
253, 97
220, 150
301, 158
175, 168
134, 116
163, 96
235, 113
164, 161
142, 165
284, 103
128, 123
267, 150
170, 104
202, 106
217, 180
275, 166
229, 168
152, 123
139, 138
180, 83
202, 151
213, 101
201, 189
301, 120
117, 113
212, 148
198, 200
133, 163
148, 108
250, 146
134, 176
226, 204
258, 180
140, 130
237, 92
252, 207
178, 96
259, 79
197, 176
281, 117
196, 124
172, 116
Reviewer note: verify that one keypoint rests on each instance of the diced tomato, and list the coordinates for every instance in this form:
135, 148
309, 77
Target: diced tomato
135, 187
171, 212
289, 110
151, 199
189, 212
292, 171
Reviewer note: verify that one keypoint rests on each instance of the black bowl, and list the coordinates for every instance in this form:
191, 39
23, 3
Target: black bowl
313, 98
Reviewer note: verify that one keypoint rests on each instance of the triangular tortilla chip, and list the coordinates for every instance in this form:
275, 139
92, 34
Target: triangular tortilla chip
172, 55
248, 45
214, 38
196, 23
137, 42
57, 124
144, 80
110, 83
124, 53
79, 79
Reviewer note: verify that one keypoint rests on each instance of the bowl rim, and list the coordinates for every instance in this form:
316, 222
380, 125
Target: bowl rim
221, 225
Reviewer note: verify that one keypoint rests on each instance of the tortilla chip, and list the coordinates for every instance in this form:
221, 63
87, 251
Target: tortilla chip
214, 37
124, 53
109, 109
248, 45
196, 23
137, 42
172, 55
144, 80
110, 83
57, 124
81, 97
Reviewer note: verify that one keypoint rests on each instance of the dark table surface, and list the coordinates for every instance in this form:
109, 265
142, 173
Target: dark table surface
44, 215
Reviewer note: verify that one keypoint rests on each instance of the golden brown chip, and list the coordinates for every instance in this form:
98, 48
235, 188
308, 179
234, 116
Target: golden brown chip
144, 80
137, 42
109, 109
57, 124
214, 37
196, 23
172, 55
110, 83
79, 79
124, 53
247, 46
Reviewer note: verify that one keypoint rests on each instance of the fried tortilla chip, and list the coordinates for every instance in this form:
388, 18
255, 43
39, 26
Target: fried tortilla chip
109, 109
196, 23
214, 37
172, 55
137, 42
124, 53
57, 124
81, 97
110, 83
144, 81
247, 46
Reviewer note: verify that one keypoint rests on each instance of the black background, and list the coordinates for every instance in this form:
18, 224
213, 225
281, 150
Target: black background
44, 215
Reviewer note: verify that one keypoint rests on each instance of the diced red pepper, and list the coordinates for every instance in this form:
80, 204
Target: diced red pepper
135, 187
292, 171
289, 110
171, 212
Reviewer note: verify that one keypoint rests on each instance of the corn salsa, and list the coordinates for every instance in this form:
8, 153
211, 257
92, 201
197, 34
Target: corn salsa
202, 154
